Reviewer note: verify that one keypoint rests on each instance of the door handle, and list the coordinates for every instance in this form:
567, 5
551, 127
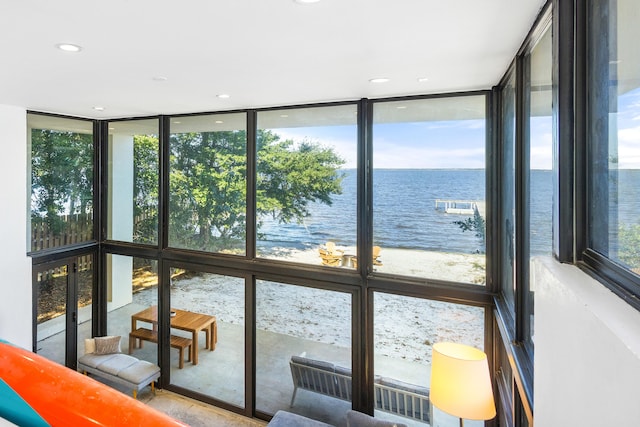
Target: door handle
74, 317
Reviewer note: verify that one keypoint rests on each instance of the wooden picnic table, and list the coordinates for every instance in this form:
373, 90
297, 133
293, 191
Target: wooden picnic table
185, 321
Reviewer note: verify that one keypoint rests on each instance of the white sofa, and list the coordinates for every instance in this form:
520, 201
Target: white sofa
115, 366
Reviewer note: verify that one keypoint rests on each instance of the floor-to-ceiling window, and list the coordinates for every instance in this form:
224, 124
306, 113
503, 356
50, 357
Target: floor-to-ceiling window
429, 209
303, 338
133, 181
306, 188
208, 183
61, 209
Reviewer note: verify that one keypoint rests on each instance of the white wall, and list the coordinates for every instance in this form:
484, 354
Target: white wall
587, 351
15, 266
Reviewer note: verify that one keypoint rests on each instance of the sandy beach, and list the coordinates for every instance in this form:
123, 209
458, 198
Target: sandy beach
405, 327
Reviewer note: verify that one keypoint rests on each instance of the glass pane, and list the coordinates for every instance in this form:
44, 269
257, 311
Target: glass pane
51, 312
132, 286
61, 201
429, 188
615, 105
306, 184
132, 207
540, 166
53, 287
207, 183
209, 309
508, 173
405, 329
303, 351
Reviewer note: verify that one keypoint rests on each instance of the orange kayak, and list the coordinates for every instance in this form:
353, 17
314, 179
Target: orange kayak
37, 391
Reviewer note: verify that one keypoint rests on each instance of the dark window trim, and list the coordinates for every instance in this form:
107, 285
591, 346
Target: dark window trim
612, 275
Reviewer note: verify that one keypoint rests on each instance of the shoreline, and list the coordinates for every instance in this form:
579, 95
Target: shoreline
404, 327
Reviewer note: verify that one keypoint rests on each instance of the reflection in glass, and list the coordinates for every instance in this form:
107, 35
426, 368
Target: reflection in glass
508, 173
207, 183
61, 203
51, 286
306, 183
405, 329
540, 165
55, 287
299, 329
429, 188
615, 108
132, 204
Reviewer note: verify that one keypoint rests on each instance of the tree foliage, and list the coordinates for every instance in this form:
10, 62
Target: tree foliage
208, 185
62, 176
476, 225
146, 174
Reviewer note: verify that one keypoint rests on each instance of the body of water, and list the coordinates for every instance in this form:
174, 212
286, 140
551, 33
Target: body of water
404, 213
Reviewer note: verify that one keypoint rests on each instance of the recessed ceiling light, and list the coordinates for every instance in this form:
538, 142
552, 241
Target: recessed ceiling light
379, 80
219, 122
160, 78
223, 96
177, 122
284, 116
423, 79
401, 107
98, 108
68, 47
305, 1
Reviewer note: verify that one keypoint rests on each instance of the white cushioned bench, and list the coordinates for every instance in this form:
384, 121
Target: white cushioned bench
118, 367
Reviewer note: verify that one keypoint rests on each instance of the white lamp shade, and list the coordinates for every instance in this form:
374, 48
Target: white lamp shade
460, 382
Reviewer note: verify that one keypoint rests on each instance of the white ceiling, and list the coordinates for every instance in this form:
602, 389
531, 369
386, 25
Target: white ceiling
260, 52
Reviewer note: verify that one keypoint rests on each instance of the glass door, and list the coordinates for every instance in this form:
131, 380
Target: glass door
63, 297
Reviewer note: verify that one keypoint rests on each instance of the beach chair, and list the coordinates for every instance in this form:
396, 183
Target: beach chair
375, 256
331, 256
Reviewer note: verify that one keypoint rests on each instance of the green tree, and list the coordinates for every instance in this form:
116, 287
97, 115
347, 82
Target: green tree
208, 185
61, 176
476, 225
145, 172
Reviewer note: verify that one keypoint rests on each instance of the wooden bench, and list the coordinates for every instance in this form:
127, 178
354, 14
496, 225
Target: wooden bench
143, 334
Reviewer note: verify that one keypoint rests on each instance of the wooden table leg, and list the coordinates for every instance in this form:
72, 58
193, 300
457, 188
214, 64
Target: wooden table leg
194, 348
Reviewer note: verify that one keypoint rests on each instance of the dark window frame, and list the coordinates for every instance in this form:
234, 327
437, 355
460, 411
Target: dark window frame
590, 41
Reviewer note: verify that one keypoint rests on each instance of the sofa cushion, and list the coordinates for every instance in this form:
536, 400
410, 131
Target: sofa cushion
358, 419
341, 370
107, 345
399, 385
118, 363
318, 364
93, 360
288, 419
139, 372
89, 345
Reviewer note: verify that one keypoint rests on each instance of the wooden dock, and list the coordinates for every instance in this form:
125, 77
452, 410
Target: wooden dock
461, 207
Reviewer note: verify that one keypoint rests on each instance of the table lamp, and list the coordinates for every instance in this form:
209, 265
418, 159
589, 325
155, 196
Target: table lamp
460, 382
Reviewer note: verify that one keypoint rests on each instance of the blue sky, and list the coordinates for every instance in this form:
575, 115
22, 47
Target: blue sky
454, 144
460, 143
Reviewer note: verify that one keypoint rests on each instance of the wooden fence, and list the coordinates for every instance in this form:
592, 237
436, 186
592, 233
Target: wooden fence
76, 229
